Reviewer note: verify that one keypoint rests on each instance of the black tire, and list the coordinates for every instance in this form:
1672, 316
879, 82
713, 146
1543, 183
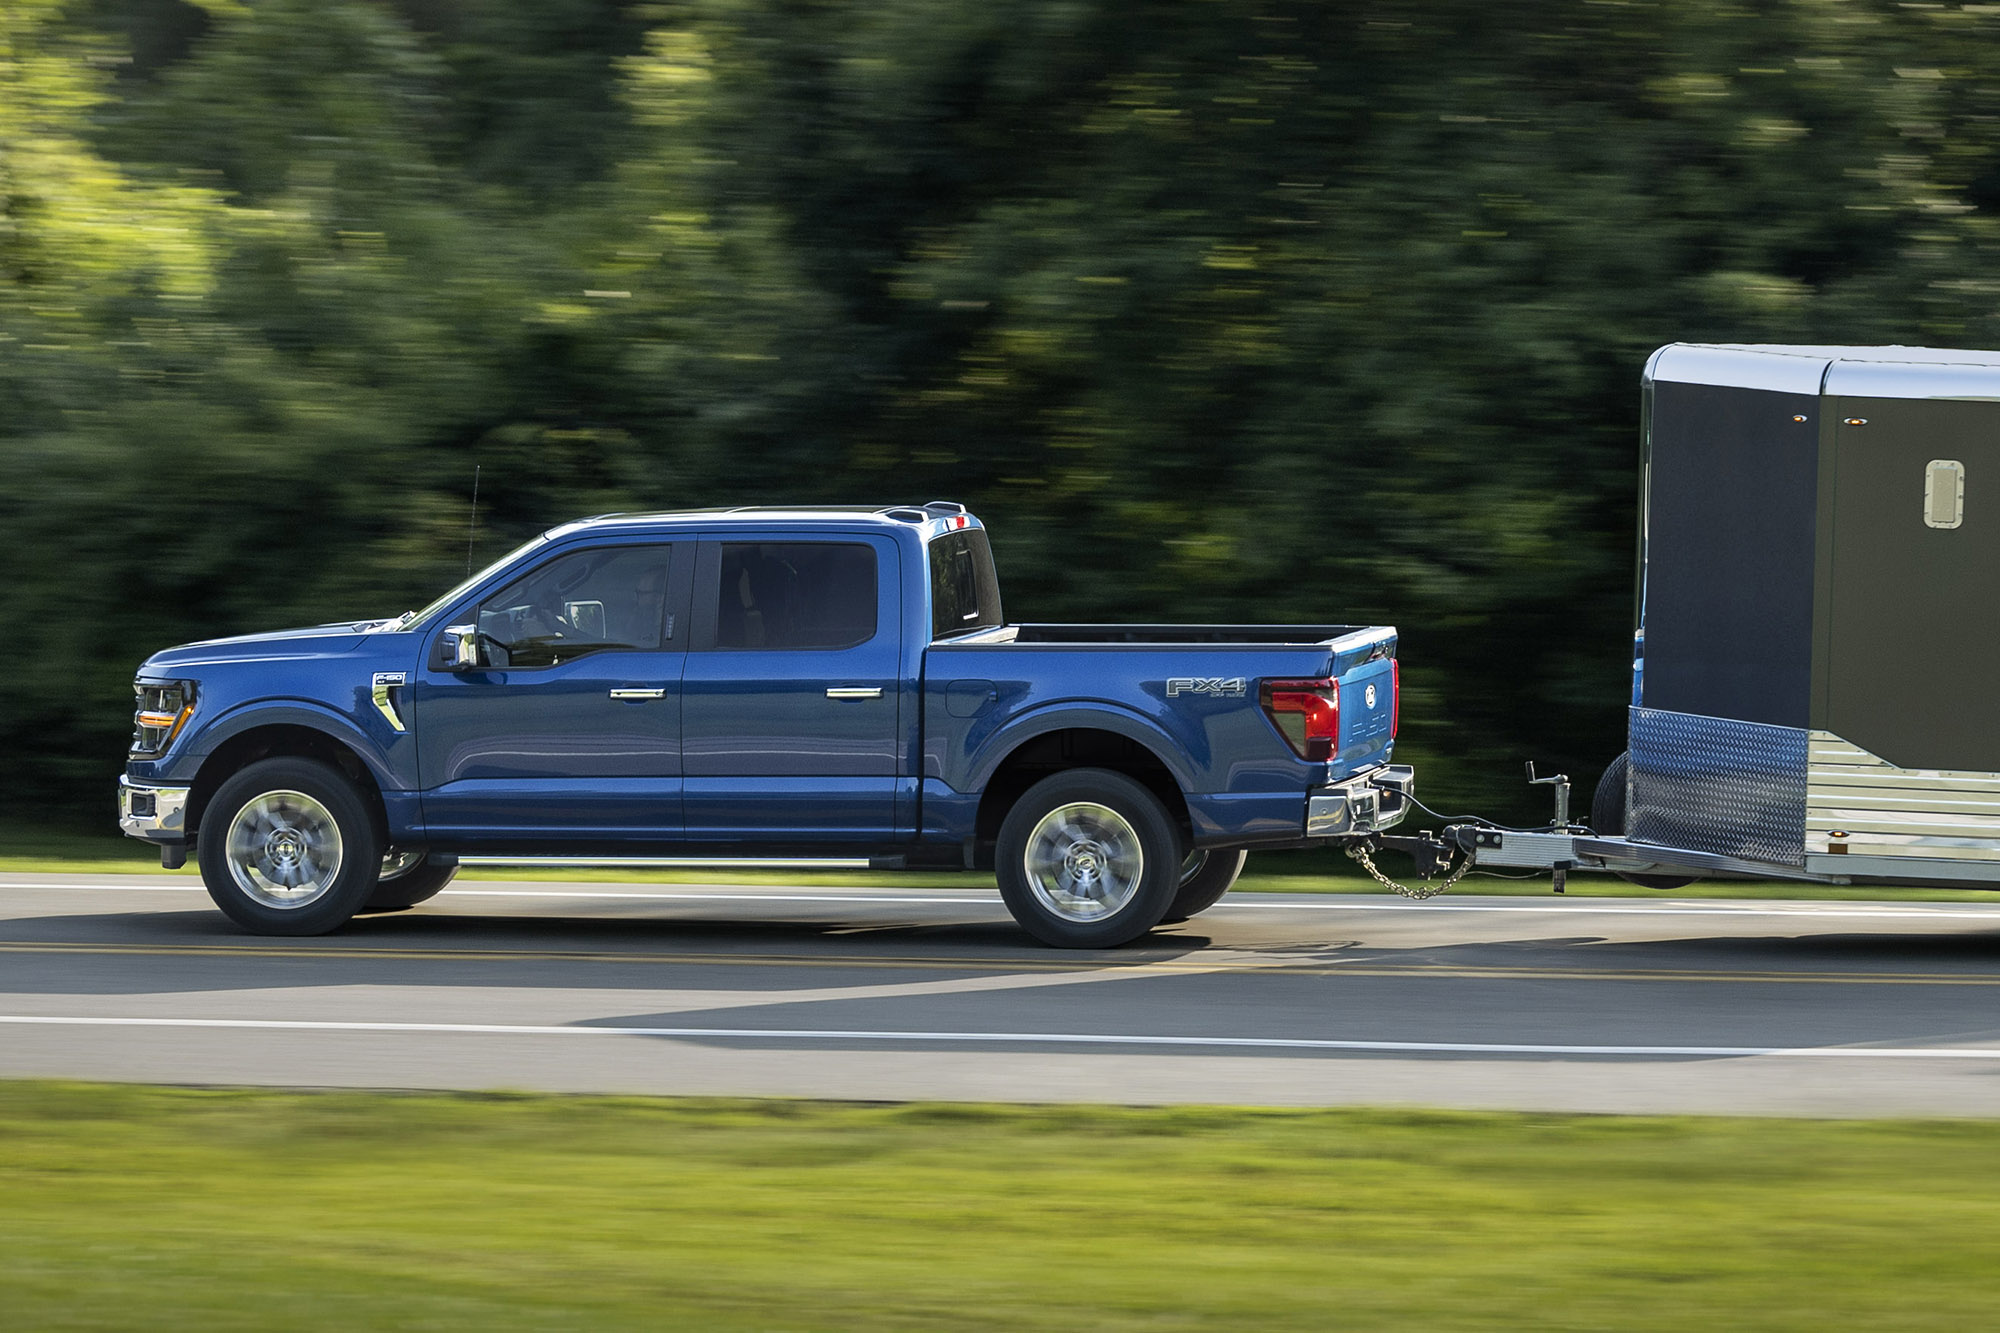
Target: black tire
1205, 877
1088, 859
406, 888
289, 817
1607, 818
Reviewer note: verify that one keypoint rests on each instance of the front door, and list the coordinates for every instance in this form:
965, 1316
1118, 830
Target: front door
791, 694
570, 728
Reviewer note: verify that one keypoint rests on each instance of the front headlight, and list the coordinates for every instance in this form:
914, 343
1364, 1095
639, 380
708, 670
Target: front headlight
164, 708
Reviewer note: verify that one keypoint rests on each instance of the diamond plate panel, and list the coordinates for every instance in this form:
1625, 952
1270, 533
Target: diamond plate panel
1717, 785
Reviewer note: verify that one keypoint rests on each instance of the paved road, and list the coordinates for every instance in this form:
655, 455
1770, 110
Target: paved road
1580, 1004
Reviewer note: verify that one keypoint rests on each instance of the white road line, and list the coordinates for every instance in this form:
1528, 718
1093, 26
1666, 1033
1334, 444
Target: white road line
1030, 1038
745, 895
1271, 903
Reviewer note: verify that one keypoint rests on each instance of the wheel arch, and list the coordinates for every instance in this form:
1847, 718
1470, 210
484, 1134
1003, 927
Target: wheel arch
1072, 742
267, 738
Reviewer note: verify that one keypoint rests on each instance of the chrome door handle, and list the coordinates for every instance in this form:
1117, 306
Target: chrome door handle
854, 692
639, 694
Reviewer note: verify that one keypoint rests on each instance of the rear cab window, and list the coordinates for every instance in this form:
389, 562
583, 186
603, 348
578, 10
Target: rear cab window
965, 592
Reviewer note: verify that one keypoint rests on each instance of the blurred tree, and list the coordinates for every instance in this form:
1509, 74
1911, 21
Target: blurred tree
1257, 309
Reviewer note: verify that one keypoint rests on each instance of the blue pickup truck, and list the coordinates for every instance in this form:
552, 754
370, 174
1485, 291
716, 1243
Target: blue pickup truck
834, 685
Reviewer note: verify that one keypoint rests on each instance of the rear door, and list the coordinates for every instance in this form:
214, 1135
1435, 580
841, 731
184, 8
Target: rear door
790, 694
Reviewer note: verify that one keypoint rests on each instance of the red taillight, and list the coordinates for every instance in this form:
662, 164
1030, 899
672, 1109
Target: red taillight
1307, 712
1395, 696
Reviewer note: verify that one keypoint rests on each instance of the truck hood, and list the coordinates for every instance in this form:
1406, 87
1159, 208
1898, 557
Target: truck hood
312, 641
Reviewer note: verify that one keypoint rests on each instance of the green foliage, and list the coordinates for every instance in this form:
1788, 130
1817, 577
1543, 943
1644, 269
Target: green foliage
246, 1209
1254, 309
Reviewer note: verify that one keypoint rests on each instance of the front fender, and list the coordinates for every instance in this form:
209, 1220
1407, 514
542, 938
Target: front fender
282, 713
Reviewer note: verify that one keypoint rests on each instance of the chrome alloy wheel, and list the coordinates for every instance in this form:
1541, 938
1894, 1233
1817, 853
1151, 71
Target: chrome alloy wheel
284, 849
1083, 861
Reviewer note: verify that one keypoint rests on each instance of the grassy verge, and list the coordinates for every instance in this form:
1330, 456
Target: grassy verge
238, 1209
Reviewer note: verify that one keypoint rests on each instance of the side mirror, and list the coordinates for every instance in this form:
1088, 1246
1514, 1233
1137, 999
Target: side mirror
458, 649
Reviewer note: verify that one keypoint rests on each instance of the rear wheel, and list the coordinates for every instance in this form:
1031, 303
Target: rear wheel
1607, 817
288, 847
1088, 859
1205, 877
407, 878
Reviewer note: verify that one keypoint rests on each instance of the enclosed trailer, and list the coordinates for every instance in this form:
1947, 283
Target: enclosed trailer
1813, 685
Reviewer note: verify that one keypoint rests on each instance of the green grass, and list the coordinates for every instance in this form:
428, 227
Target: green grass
129, 1207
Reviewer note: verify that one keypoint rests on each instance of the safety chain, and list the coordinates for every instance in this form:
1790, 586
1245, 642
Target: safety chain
1359, 851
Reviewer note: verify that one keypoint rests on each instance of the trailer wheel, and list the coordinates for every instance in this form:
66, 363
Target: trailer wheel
1607, 817
288, 847
407, 878
1205, 877
1088, 859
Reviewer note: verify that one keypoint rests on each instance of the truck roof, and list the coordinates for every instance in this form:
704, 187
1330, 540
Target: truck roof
1852, 372
930, 520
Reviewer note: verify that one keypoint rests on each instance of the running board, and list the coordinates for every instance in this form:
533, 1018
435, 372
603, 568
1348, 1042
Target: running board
685, 862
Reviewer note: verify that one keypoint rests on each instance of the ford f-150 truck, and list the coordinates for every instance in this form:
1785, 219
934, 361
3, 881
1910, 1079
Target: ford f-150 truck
777, 684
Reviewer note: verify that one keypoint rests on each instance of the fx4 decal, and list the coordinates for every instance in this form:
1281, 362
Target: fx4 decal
1213, 687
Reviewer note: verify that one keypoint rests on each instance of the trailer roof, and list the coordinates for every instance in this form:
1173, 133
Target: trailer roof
1854, 372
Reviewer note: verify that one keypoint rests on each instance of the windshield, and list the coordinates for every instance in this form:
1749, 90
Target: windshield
965, 594
410, 618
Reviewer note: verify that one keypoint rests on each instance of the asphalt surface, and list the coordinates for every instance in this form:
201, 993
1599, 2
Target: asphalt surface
1582, 1004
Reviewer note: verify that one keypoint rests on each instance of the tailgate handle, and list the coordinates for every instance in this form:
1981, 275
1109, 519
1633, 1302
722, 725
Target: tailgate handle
854, 692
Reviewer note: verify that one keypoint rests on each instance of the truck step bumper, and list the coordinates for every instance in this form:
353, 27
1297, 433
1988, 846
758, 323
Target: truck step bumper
1368, 802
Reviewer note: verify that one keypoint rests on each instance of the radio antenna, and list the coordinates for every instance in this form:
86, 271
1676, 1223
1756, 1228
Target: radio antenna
472, 521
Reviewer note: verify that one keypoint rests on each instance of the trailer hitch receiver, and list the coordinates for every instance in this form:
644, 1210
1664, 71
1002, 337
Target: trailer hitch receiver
1431, 853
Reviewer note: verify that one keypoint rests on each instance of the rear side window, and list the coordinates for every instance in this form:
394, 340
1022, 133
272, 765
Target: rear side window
796, 595
965, 595
605, 598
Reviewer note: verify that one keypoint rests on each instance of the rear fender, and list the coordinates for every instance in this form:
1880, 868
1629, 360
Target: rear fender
1060, 717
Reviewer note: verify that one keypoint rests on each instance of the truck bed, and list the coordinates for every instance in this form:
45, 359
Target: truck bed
1166, 634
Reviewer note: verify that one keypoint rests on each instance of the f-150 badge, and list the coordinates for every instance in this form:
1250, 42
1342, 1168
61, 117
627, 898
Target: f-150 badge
385, 703
1214, 687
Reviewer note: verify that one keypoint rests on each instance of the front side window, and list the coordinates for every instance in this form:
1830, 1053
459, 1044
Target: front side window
965, 594
602, 599
796, 595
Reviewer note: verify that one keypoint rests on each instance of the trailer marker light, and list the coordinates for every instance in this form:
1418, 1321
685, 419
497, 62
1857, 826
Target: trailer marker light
1798, 418
1856, 421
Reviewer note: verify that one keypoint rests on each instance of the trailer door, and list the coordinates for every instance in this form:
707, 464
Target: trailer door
1910, 581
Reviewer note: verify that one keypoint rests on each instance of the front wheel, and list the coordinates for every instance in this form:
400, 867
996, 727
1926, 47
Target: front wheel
1088, 859
407, 878
1205, 877
288, 847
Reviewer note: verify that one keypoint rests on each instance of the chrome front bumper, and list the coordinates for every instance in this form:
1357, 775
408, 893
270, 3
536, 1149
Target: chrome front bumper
157, 814
1368, 802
